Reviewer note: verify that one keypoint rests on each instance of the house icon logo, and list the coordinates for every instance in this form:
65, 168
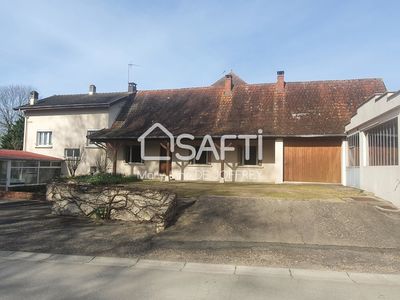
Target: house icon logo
142, 141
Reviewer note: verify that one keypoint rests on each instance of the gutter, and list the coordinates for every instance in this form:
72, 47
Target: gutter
219, 136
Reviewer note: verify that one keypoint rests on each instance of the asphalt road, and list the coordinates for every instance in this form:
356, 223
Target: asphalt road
82, 277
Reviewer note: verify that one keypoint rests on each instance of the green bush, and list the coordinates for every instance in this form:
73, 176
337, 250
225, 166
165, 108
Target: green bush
105, 179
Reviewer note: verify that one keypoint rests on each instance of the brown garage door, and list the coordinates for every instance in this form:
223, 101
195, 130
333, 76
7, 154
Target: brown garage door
312, 160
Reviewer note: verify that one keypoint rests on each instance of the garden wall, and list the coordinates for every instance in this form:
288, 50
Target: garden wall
113, 202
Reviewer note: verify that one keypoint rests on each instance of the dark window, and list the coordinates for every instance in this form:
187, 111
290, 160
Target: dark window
383, 144
132, 154
204, 158
252, 161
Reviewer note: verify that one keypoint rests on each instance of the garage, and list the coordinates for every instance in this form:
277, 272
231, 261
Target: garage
312, 160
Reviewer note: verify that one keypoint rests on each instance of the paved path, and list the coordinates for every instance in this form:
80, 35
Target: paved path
46, 276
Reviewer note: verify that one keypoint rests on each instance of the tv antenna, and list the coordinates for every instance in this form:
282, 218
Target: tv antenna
130, 70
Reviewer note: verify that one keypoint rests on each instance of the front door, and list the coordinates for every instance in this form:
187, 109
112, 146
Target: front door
163, 163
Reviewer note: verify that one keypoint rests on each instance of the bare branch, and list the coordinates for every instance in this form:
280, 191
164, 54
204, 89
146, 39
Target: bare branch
11, 97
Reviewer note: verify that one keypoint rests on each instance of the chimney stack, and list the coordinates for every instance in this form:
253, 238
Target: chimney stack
228, 85
280, 81
33, 97
131, 87
92, 89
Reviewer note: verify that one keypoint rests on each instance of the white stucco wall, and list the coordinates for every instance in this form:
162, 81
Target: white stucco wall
267, 172
69, 129
383, 181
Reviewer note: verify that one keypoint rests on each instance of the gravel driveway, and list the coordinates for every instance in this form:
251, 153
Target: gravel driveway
345, 235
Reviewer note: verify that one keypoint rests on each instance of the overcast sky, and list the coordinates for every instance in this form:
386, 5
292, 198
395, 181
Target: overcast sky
61, 47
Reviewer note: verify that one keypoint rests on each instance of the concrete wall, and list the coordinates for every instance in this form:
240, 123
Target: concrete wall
269, 171
383, 181
69, 129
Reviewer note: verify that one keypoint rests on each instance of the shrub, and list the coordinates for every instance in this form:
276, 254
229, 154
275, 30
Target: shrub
105, 179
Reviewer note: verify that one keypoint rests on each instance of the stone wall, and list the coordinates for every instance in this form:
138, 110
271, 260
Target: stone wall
113, 202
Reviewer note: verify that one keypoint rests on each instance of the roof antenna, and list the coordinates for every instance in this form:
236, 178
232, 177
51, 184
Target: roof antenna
130, 70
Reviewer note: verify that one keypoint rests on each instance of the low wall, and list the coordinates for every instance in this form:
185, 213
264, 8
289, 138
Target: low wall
113, 202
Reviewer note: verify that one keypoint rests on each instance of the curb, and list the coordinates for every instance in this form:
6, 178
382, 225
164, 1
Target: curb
191, 267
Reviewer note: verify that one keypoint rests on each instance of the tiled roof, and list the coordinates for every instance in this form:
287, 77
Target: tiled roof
77, 100
302, 108
24, 155
236, 80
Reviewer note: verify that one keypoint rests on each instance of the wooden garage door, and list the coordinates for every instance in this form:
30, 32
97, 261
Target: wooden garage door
312, 160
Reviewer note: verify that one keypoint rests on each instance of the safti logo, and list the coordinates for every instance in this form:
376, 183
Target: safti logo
207, 145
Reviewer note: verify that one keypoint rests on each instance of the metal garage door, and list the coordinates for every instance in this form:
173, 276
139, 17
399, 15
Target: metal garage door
312, 160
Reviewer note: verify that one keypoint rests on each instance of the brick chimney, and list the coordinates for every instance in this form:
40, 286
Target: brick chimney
33, 97
131, 87
280, 81
92, 89
228, 85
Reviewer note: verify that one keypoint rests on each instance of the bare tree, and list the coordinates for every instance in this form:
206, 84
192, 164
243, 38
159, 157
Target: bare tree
103, 161
73, 162
12, 96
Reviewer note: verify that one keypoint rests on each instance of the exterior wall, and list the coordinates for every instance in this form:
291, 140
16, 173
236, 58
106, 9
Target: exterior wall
269, 171
383, 181
69, 129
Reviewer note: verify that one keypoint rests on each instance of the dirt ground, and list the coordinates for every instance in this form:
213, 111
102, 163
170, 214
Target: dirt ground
270, 191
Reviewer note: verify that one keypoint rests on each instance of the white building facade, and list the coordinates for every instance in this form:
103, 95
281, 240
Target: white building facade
373, 147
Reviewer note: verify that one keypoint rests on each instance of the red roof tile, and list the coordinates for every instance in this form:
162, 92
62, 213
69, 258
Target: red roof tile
24, 155
303, 108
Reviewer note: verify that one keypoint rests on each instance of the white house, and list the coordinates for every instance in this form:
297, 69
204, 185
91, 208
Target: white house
373, 147
58, 126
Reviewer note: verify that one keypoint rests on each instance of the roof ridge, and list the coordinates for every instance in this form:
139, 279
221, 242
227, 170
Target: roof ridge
184, 88
84, 94
336, 80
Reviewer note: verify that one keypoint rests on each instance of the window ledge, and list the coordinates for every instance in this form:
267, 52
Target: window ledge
201, 165
135, 163
250, 167
48, 147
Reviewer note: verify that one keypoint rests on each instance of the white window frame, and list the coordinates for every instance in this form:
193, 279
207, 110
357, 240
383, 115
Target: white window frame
47, 138
73, 155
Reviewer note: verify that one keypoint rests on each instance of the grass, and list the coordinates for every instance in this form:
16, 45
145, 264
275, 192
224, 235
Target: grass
276, 191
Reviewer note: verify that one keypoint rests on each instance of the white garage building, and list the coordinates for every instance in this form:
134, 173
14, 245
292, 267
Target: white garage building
373, 147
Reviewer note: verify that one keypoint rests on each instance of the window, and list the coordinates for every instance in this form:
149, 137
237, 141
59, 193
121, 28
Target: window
93, 170
353, 142
44, 138
204, 158
88, 142
383, 143
132, 154
72, 153
252, 161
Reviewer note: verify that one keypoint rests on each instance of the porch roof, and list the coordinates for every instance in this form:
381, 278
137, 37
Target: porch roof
6, 154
